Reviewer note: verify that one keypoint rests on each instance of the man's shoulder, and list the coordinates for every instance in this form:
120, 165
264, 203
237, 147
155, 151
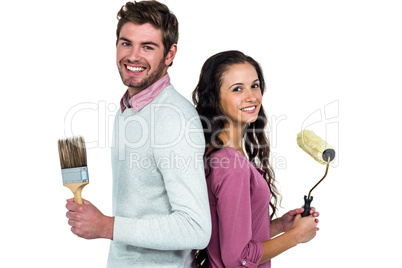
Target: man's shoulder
170, 94
171, 99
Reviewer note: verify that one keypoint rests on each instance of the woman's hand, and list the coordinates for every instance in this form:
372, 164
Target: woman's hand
287, 220
295, 229
304, 228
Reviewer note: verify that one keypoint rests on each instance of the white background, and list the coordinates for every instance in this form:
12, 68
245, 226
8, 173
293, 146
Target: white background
338, 59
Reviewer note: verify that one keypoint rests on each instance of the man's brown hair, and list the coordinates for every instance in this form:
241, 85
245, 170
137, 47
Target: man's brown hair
153, 12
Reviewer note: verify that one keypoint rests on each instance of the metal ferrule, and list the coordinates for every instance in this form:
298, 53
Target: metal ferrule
75, 175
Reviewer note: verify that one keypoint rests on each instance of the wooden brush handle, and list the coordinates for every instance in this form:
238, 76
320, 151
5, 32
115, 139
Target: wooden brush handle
76, 188
77, 195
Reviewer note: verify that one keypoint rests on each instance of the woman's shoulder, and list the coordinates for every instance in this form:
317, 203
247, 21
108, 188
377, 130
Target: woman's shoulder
229, 170
226, 154
227, 160
223, 152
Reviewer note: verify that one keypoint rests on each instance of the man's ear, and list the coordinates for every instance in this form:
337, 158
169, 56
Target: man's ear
170, 55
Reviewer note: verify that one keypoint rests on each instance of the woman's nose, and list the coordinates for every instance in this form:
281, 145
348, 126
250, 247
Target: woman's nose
250, 95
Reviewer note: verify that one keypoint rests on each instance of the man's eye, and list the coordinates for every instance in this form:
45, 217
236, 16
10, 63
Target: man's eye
148, 48
125, 44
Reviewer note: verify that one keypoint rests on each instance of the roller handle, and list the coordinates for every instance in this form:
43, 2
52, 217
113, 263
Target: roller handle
307, 206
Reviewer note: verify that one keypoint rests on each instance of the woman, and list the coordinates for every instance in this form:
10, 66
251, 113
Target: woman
240, 179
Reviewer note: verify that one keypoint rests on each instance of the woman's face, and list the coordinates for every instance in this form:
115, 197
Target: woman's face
240, 94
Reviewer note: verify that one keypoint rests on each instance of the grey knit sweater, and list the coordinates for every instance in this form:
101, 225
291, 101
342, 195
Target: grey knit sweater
160, 201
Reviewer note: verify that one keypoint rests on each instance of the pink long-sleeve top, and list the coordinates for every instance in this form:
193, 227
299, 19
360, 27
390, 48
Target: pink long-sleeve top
239, 201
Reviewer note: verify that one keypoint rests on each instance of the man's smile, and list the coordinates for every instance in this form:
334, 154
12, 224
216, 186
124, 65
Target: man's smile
135, 68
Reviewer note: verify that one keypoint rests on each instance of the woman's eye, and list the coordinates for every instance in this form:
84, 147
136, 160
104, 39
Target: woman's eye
255, 86
236, 89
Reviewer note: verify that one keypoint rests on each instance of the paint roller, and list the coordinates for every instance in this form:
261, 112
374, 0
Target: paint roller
321, 151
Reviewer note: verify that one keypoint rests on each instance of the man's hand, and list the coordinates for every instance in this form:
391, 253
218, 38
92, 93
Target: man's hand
87, 221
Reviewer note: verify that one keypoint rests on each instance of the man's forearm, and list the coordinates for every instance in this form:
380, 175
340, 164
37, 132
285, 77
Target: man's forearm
108, 228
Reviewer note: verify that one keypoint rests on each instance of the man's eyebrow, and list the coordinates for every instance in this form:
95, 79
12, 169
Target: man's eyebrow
150, 43
124, 39
143, 43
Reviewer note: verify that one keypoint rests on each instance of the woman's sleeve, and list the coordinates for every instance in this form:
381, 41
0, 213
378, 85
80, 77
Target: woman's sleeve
231, 186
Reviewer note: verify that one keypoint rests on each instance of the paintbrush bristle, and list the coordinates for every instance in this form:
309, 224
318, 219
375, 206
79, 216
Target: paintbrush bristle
72, 152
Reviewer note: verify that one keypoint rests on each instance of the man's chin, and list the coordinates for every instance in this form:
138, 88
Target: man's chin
132, 84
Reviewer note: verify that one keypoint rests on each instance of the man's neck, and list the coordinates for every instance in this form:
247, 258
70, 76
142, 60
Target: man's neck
134, 91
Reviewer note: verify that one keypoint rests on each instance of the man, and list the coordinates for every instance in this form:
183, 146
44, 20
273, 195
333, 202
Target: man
160, 202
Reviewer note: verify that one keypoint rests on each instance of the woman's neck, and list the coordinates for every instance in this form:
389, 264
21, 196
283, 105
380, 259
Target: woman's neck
233, 137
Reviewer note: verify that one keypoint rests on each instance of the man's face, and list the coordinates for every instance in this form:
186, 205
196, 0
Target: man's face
140, 56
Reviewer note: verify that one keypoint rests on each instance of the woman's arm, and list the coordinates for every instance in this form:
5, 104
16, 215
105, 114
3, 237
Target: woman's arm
284, 223
230, 186
276, 227
302, 230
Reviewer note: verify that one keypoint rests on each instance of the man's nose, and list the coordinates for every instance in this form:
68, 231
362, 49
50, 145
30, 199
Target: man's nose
135, 54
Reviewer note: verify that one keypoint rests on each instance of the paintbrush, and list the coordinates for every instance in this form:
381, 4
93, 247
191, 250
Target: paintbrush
73, 161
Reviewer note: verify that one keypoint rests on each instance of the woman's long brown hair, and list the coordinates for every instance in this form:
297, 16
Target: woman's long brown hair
206, 100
